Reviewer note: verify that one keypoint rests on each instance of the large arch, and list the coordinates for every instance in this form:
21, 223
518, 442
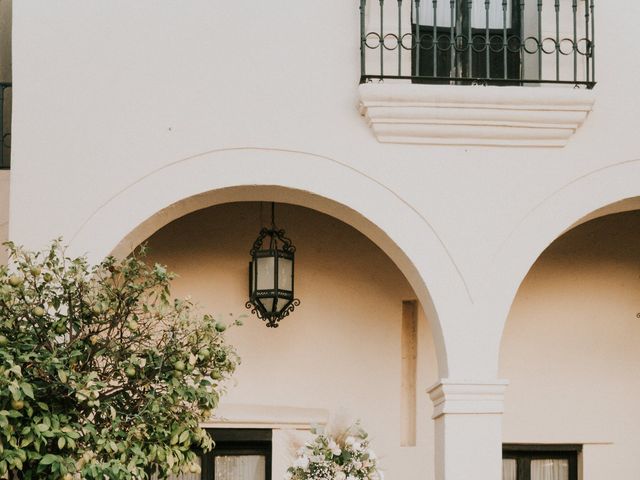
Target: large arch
611, 189
570, 344
230, 175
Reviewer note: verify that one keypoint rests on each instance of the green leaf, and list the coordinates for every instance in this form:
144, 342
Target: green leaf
28, 390
61, 442
43, 427
48, 459
15, 392
26, 441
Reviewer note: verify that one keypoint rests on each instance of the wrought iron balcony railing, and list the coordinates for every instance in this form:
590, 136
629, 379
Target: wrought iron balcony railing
5, 125
501, 42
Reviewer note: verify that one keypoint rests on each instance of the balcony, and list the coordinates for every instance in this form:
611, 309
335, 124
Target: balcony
419, 58
486, 42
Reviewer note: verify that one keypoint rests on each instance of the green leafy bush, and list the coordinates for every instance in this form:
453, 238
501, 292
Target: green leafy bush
103, 375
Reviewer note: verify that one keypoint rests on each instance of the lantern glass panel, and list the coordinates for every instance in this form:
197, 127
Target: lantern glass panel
282, 302
265, 273
267, 303
285, 274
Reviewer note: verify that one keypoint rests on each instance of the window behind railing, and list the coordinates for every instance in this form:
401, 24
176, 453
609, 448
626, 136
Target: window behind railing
5, 125
5, 83
502, 42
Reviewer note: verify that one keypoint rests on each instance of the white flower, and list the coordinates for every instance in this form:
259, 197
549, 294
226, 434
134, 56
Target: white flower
357, 464
340, 475
357, 446
301, 462
372, 455
351, 477
335, 449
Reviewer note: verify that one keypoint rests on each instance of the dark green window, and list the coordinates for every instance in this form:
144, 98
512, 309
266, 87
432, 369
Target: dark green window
492, 41
540, 462
240, 454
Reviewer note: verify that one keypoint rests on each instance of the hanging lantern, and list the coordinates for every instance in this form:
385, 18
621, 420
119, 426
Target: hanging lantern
271, 275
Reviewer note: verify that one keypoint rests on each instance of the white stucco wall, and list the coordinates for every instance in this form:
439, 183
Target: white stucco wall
570, 348
313, 359
127, 115
111, 92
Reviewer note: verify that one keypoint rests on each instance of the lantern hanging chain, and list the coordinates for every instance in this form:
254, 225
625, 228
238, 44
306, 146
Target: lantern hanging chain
275, 237
261, 214
273, 244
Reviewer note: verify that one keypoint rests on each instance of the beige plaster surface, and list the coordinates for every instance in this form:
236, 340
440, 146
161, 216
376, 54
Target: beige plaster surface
339, 351
570, 348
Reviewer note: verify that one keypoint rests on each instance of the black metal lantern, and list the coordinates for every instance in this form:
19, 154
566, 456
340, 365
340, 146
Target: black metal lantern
271, 275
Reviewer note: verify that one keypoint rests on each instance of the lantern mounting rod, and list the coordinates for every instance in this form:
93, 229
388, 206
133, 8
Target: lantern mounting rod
273, 215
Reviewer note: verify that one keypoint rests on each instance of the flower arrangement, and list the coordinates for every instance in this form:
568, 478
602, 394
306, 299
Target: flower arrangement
344, 457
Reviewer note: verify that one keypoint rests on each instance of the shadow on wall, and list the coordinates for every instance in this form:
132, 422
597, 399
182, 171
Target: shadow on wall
340, 350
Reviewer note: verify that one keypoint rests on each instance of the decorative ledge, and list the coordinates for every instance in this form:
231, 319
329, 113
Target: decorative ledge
474, 115
261, 416
451, 397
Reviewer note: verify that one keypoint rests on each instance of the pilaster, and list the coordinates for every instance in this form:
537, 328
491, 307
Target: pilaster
468, 429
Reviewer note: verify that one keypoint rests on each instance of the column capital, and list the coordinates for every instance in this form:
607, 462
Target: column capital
467, 397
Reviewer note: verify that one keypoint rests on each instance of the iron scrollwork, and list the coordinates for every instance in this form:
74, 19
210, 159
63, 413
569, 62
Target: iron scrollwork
272, 320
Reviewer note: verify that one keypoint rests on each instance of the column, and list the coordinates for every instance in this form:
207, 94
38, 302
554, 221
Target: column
468, 429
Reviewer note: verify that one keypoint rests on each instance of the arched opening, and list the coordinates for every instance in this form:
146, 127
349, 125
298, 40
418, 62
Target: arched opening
570, 345
342, 352
243, 174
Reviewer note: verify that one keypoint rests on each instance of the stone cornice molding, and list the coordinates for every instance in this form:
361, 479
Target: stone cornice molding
467, 397
266, 416
474, 115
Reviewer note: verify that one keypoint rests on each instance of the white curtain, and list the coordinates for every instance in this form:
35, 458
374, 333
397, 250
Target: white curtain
478, 13
549, 469
509, 469
240, 467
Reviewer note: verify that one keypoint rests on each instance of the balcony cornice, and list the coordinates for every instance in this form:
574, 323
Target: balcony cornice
474, 115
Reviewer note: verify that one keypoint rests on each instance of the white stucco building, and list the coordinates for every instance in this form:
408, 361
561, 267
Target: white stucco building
467, 257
